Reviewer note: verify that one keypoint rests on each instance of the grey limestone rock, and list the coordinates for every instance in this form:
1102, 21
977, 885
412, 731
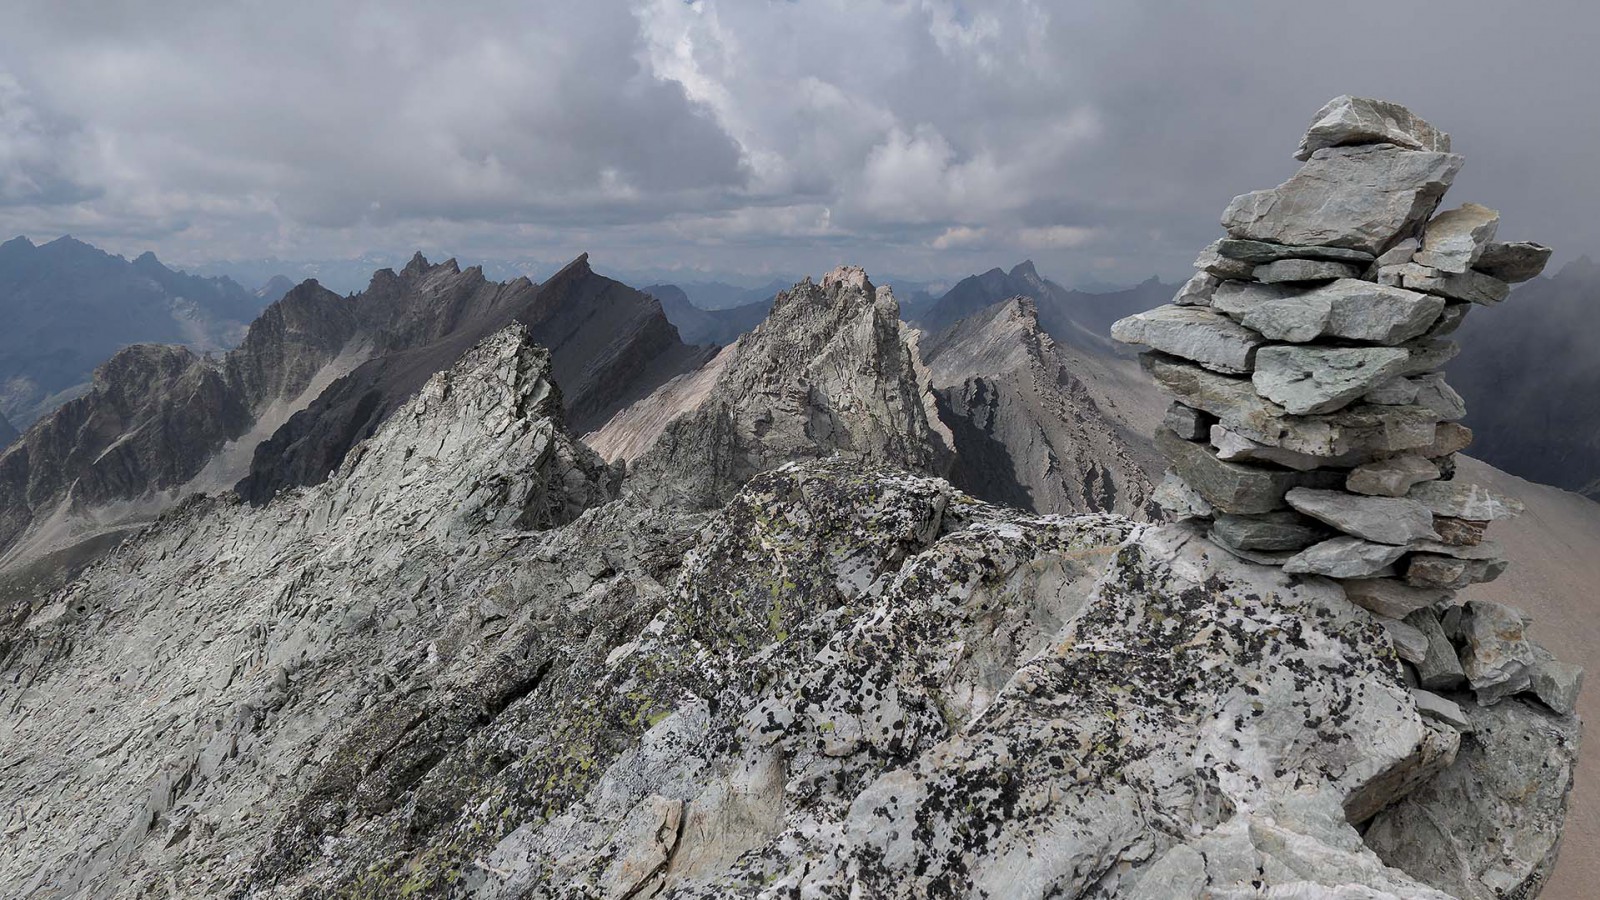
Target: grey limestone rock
1360, 198
1314, 380
1235, 447
1197, 290
1296, 270
1212, 262
1384, 520
1451, 571
1456, 238
1261, 252
1458, 500
1345, 557
1494, 651
1238, 298
1490, 825
1392, 477
1433, 706
1350, 309
1188, 423
1179, 500
1440, 670
1513, 262
1348, 120
1227, 486
1275, 531
1556, 683
1388, 597
1194, 333
1470, 286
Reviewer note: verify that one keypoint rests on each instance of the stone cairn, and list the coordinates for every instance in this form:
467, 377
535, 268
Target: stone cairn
1313, 428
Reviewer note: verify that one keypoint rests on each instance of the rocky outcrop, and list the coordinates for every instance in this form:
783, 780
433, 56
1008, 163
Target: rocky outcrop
68, 307
7, 432
610, 345
315, 375
829, 371
1343, 386
1027, 431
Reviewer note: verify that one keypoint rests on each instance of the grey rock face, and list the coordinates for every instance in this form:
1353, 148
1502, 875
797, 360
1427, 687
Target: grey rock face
1387, 597
1293, 270
1029, 425
1212, 262
1260, 252
7, 432
1554, 682
1230, 487
1494, 651
1313, 380
1440, 669
1344, 557
1194, 333
1470, 286
1349, 309
1188, 423
1393, 477
1433, 706
1350, 120
1457, 237
1490, 825
1275, 531
1181, 501
1384, 520
1197, 290
830, 370
1513, 262
1464, 501
1360, 198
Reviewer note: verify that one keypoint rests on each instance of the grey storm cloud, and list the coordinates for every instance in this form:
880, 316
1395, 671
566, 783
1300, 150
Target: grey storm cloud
926, 137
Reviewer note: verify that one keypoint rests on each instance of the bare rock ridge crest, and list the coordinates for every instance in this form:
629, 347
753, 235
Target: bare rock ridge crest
1313, 430
315, 374
785, 657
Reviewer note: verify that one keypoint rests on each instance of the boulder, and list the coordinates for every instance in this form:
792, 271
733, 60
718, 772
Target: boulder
1229, 487
1188, 423
1214, 263
1238, 298
1359, 198
1235, 447
1493, 648
1455, 238
1459, 532
1350, 120
1433, 706
1455, 499
1197, 290
1394, 392
1453, 573
1179, 500
1349, 309
1274, 531
1487, 827
1388, 597
1440, 670
1448, 438
1259, 252
1399, 254
1433, 393
1195, 333
1470, 286
1292, 270
1409, 643
1314, 380
1554, 682
1344, 557
1513, 262
1428, 355
1450, 320
1391, 477
1383, 520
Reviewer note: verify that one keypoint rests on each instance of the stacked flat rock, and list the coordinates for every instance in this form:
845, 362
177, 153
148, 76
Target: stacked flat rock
1313, 426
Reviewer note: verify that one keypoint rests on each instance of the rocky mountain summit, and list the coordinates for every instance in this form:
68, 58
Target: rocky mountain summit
753, 644
315, 374
1313, 430
1028, 428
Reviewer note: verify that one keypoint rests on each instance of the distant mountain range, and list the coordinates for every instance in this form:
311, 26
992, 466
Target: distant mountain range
708, 325
67, 307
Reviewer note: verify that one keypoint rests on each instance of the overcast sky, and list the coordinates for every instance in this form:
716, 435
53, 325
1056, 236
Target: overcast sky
925, 138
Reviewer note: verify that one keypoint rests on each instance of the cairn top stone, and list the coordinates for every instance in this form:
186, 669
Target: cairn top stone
1347, 120
1513, 262
1360, 198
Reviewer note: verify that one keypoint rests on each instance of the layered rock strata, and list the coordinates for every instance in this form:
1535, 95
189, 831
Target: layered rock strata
1313, 429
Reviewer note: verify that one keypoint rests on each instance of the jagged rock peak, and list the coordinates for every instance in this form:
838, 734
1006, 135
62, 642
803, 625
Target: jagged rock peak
830, 370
